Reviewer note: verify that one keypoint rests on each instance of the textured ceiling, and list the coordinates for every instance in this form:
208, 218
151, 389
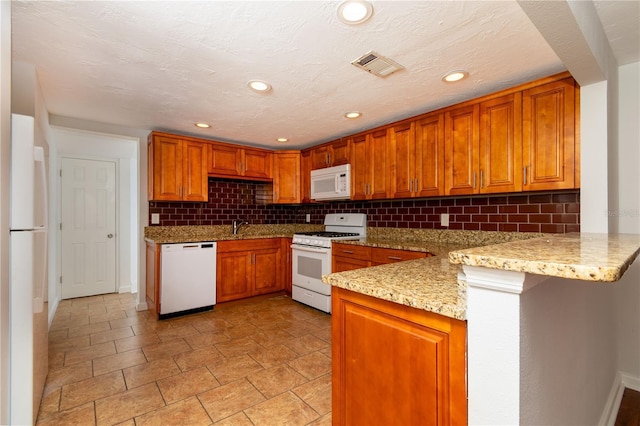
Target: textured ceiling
163, 65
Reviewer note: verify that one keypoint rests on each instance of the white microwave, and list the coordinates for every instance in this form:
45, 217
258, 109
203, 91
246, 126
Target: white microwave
331, 183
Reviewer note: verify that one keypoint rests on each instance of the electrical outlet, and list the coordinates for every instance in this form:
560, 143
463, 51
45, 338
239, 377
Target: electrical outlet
155, 218
444, 219
308, 218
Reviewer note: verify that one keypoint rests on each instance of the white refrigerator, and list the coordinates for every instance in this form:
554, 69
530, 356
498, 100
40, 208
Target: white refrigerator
28, 289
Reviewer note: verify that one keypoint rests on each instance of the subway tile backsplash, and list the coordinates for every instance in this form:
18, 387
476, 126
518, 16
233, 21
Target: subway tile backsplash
552, 212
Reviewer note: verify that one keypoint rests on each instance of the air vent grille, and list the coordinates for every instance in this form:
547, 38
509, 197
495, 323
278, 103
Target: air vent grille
377, 64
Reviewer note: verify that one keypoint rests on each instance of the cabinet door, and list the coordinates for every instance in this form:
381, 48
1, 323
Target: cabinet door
383, 256
305, 175
320, 157
402, 160
233, 276
286, 177
285, 246
359, 168
379, 170
461, 150
549, 136
153, 275
267, 265
341, 264
257, 164
194, 169
501, 144
429, 154
224, 160
167, 168
418, 378
339, 153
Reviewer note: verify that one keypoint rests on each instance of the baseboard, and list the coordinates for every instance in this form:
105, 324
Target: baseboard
124, 289
611, 408
53, 307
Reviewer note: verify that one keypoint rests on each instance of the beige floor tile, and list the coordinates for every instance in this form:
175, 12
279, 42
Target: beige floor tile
118, 361
50, 403
126, 405
285, 409
107, 317
172, 333
273, 355
238, 419
57, 335
186, 412
187, 384
75, 356
70, 343
150, 372
325, 420
228, 370
317, 394
150, 327
323, 333
166, 349
129, 422
84, 330
127, 321
82, 415
67, 322
78, 393
56, 359
136, 342
197, 358
109, 335
272, 337
65, 375
277, 380
312, 365
206, 339
229, 399
306, 344
237, 347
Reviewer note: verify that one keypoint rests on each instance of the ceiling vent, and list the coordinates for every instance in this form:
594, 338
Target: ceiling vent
377, 64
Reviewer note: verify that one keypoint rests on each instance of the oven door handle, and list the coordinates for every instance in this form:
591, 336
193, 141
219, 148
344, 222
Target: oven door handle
310, 249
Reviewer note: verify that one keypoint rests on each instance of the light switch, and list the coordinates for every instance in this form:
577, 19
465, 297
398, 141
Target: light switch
444, 219
155, 218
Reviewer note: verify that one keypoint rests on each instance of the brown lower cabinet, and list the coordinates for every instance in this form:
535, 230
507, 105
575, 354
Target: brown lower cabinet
346, 257
393, 364
248, 268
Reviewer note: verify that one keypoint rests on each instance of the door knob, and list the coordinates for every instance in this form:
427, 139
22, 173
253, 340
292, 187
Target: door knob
109, 235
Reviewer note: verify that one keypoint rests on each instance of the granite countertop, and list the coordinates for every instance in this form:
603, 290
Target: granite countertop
579, 256
196, 234
436, 248
431, 284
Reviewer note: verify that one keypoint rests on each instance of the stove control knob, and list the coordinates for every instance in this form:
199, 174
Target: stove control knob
307, 240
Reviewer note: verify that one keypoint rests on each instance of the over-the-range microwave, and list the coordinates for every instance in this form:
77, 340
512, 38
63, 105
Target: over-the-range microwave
331, 183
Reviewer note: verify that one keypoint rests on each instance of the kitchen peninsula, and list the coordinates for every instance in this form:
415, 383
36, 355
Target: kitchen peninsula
513, 330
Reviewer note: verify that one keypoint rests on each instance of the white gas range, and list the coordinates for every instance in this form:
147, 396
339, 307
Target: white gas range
311, 252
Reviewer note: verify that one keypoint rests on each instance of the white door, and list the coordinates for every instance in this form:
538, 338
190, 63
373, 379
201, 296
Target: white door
88, 240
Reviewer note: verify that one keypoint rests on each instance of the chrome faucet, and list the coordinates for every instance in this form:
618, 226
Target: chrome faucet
237, 225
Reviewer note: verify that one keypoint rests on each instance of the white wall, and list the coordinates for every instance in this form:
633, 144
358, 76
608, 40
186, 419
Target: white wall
89, 145
5, 155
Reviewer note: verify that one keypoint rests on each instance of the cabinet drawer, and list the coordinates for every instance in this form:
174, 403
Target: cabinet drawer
382, 255
248, 244
351, 251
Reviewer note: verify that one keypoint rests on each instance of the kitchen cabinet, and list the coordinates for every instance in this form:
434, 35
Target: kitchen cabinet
416, 157
287, 263
346, 257
305, 176
394, 364
152, 284
461, 149
330, 154
369, 166
177, 168
248, 268
286, 177
232, 161
550, 121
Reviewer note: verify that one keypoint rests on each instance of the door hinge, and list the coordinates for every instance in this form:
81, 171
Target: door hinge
61, 226
60, 172
60, 279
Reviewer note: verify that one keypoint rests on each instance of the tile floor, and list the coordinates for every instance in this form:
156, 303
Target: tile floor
260, 362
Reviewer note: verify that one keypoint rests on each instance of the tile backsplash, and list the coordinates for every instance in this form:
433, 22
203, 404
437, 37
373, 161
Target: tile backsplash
552, 212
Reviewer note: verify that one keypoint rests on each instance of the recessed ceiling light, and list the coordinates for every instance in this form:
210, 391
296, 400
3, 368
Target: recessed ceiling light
353, 114
203, 125
282, 140
259, 86
354, 12
454, 76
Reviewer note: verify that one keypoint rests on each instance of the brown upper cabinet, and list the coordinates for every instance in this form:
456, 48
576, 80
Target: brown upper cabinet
305, 175
369, 166
177, 168
286, 177
226, 160
330, 154
550, 116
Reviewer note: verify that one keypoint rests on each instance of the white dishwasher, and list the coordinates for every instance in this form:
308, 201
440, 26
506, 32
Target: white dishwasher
187, 278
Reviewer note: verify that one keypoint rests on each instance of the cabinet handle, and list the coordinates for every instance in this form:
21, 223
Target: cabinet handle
474, 180
411, 185
525, 175
180, 192
369, 189
329, 158
481, 179
394, 258
415, 186
347, 251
